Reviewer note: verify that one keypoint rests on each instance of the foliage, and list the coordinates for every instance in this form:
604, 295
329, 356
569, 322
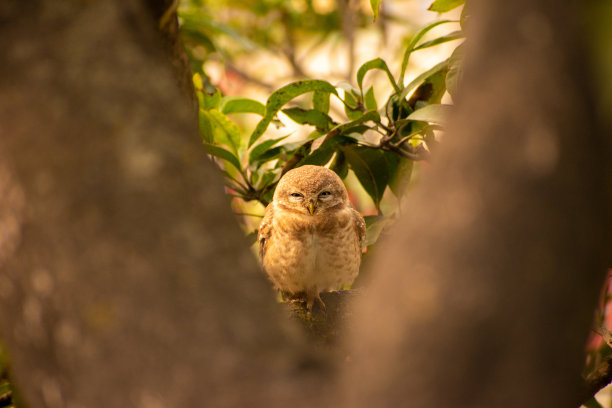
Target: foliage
377, 142
6, 388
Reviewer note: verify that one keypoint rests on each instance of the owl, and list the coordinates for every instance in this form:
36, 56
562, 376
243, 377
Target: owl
310, 238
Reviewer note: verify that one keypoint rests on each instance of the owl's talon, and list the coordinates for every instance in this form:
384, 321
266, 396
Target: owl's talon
312, 298
321, 302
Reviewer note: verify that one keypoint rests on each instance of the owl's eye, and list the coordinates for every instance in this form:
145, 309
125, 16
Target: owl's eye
325, 194
297, 195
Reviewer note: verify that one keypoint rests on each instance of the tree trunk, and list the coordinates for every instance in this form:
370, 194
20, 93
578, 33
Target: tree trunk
124, 278
491, 278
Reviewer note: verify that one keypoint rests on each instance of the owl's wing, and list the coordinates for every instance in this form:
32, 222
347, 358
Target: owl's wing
265, 231
360, 226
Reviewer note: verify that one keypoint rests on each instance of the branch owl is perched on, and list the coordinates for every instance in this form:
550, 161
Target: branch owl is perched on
310, 238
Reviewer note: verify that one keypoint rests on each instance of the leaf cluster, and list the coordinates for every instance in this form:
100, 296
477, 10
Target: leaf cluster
378, 141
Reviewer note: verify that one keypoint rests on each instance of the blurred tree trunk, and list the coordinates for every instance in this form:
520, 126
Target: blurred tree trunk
124, 278
492, 276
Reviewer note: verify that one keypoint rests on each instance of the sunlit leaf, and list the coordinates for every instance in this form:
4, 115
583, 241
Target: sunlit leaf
224, 154
413, 43
422, 77
375, 4
269, 177
320, 101
455, 35
442, 6
430, 90
212, 100
224, 130
243, 105
311, 117
352, 114
197, 81
366, 117
206, 132
284, 95
350, 101
455, 71
259, 149
376, 63
320, 156
370, 100
437, 113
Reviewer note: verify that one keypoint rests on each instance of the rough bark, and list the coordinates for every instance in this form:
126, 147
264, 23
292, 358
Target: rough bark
491, 278
124, 279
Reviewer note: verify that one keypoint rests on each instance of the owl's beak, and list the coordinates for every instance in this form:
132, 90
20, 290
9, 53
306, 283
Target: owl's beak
311, 207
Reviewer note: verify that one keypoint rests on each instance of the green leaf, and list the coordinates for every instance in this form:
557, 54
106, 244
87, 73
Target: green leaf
366, 117
417, 81
352, 106
269, 177
455, 35
320, 156
352, 114
243, 105
375, 4
437, 113
355, 133
251, 237
593, 403
350, 101
261, 148
375, 225
430, 91
370, 167
455, 71
5, 389
221, 153
370, 100
320, 101
224, 130
396, 108
376, 63
309, 117
400, 170
284, 95
197, 36
212, 100
413, 43
340, 165
206, 132
442, 6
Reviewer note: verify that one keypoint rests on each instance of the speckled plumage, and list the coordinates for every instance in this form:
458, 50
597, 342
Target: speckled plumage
306, 251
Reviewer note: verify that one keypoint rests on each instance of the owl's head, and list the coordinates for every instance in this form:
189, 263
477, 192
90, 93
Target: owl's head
310, 190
